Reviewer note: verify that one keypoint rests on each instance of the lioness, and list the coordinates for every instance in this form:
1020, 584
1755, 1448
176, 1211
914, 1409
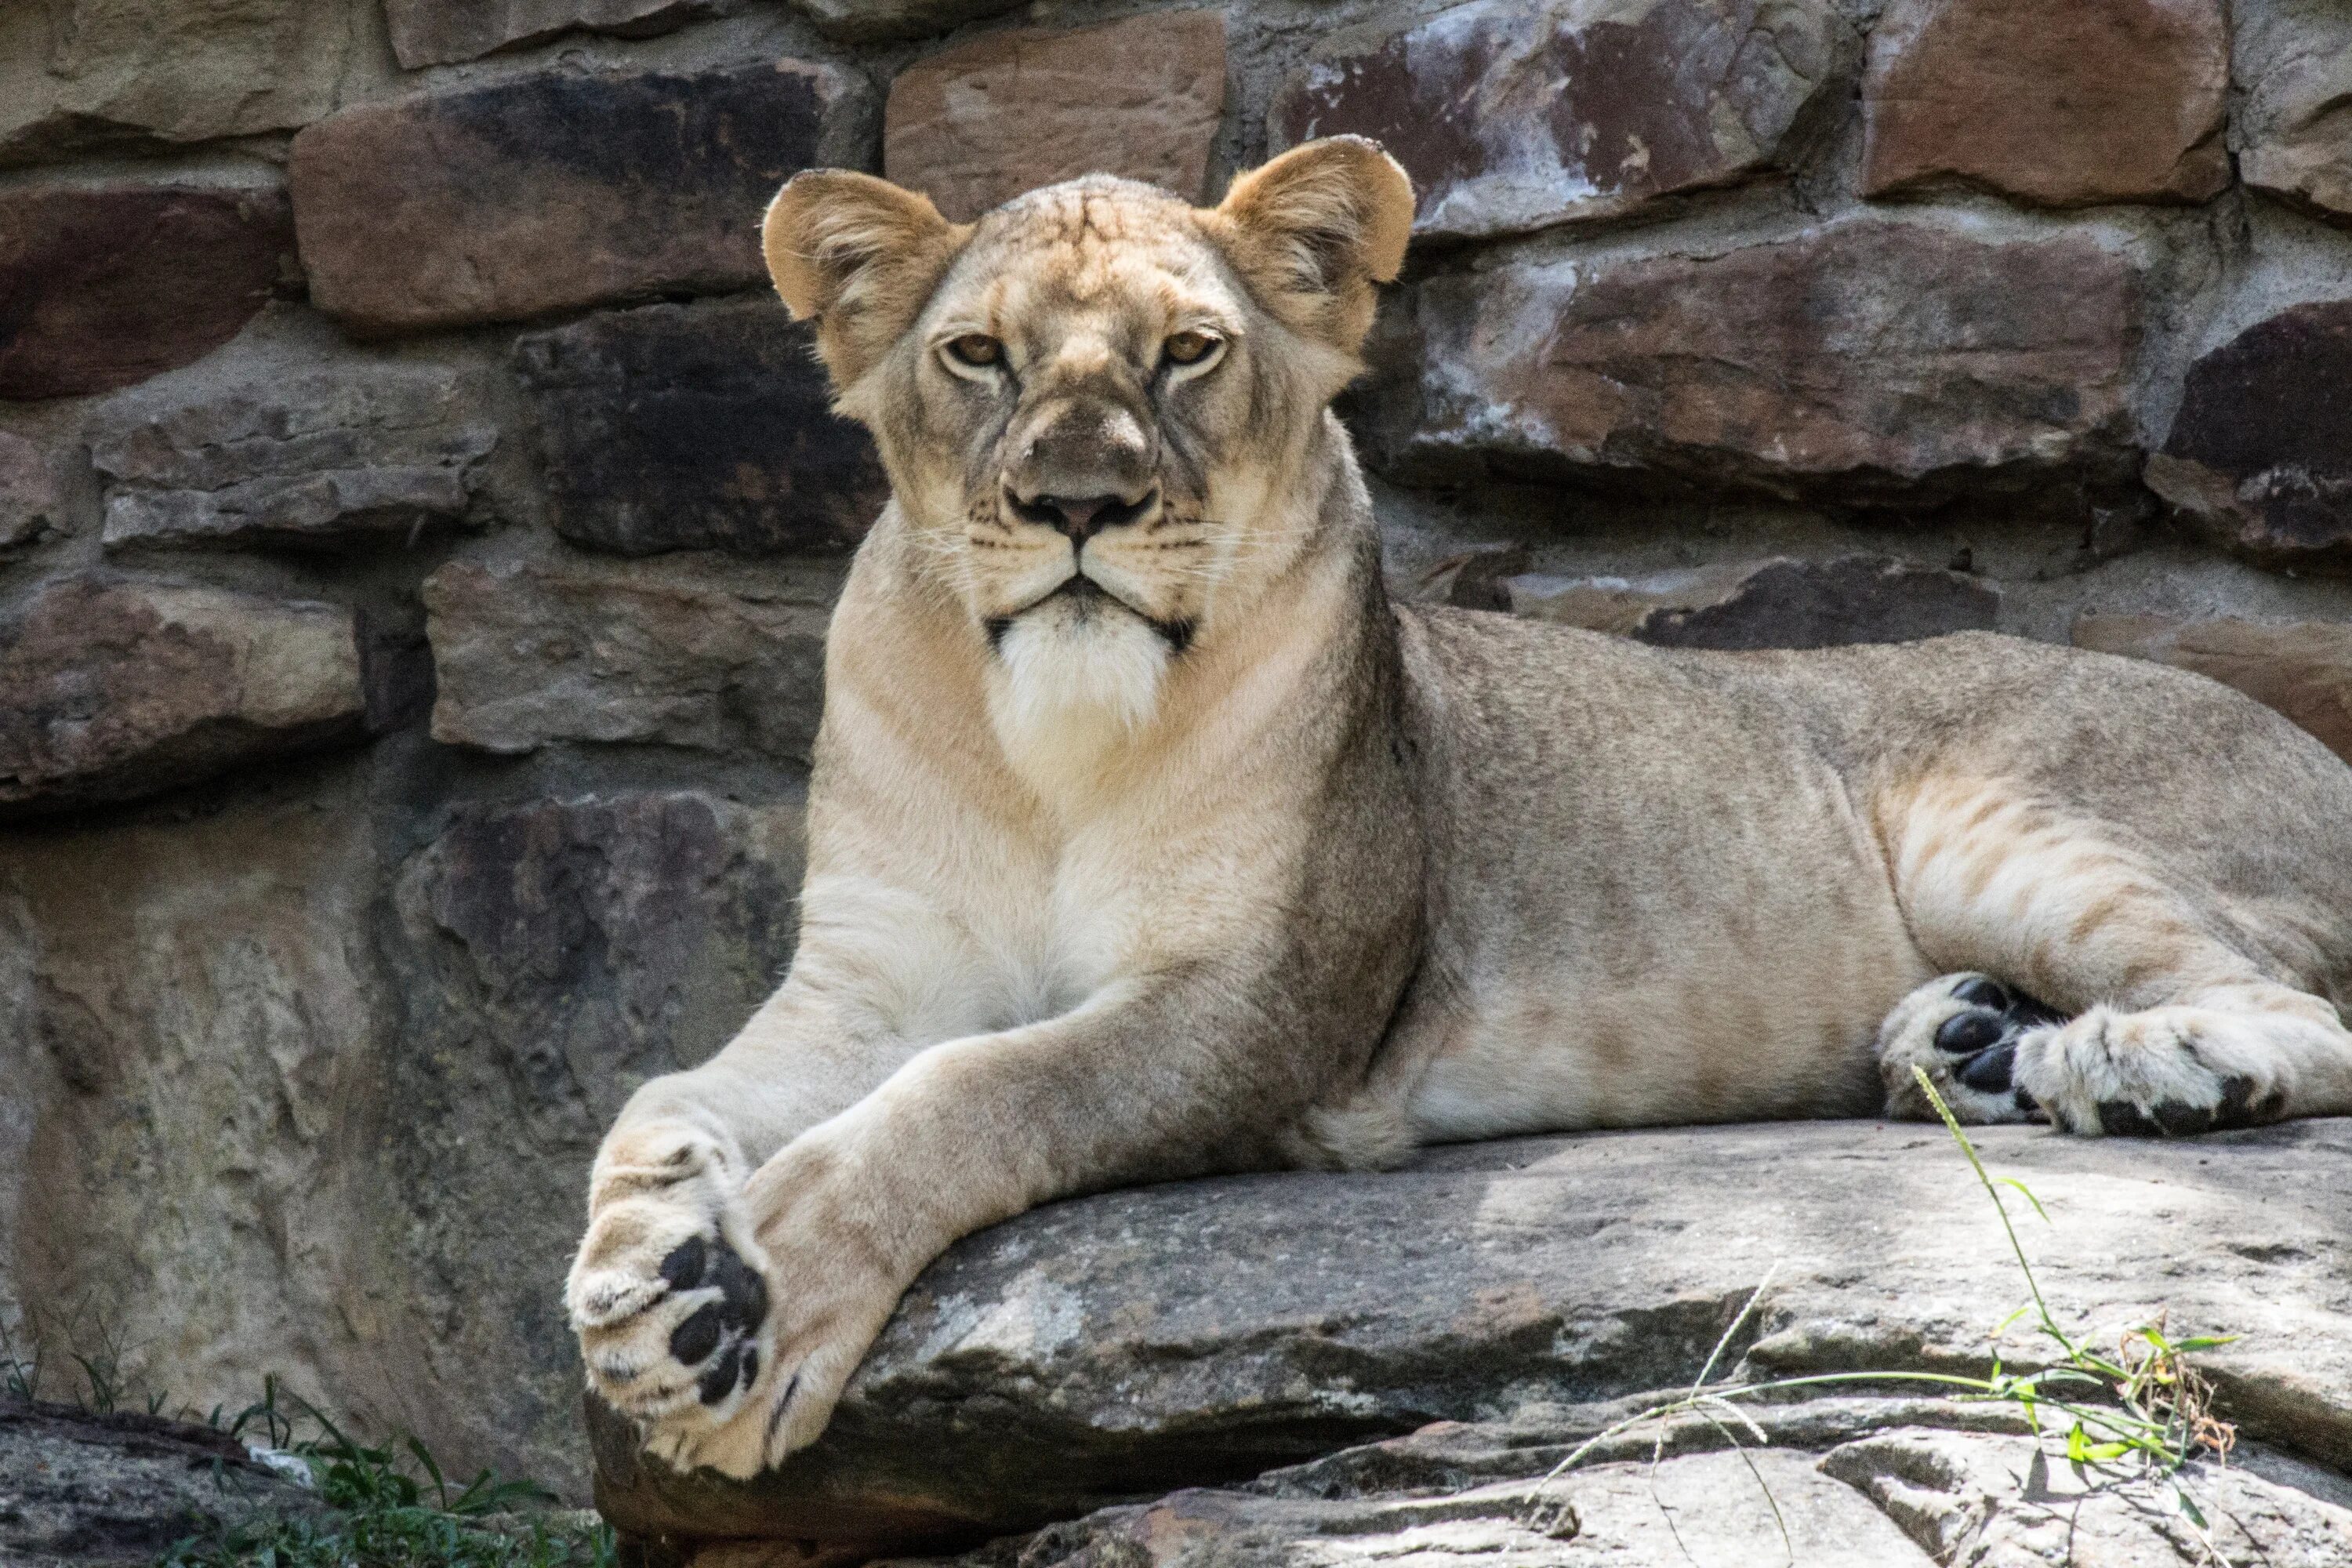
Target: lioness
1147, 837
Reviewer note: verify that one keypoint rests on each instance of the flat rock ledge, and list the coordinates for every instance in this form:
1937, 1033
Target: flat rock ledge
1312, 1369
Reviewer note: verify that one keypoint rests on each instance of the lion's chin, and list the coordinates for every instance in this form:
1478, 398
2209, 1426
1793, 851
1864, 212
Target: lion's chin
1076, 674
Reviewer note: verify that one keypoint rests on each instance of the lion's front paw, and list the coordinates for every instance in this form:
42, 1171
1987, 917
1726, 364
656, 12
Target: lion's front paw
2165, 1072
1965, 1031
669, 1298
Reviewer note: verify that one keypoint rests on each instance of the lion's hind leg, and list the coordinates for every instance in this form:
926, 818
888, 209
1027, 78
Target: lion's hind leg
2089, 986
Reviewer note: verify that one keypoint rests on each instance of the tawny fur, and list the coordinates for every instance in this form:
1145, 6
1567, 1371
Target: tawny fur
1229, 863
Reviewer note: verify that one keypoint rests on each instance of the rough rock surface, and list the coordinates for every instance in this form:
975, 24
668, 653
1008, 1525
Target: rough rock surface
697, 656
552, 191
315, 459
2098, 100
104, 285
1510, 117
110, 691
435, 32
1094, 1352
29, 502
94, 74
1768, 603
2291, 62
980, 123
1865, 359
81, 1490
2260, 454
675, 428
875, 21
2302, 669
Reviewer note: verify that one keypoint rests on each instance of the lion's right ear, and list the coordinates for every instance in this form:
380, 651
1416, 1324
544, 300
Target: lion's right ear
858, 256
1315, 229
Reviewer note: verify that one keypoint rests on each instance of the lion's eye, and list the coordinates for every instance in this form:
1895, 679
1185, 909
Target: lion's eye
976, 348
1188, 347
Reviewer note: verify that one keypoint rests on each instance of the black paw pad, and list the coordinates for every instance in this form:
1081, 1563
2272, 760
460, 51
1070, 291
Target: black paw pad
1964, 1034
2169, 1119
1990, 1071
718, 1335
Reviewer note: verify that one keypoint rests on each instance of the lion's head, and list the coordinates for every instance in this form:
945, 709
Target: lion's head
1097, 403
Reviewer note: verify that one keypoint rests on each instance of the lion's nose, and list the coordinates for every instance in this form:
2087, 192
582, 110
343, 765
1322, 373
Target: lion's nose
1080, 518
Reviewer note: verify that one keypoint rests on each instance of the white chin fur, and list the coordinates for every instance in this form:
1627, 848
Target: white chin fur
1074, 679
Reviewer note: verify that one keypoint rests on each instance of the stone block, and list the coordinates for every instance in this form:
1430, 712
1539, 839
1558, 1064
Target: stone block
30, 503
110, 691
319, 457
558, 190
2259, 457
86, 75
2302, 669
695, 655
1510, 117
977, 124
1879, 362
1769, 603
2094, 100
436, 31
103, 286
711, 427
2292, 63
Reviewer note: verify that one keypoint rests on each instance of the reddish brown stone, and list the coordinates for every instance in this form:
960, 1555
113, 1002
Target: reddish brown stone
2260, 454
2092, 100
1768, 603
671, 427
110, 691
1865, 360
2293, 62
556, 191
2302, 669
1510, 116
435, 32
103, 286
981, 123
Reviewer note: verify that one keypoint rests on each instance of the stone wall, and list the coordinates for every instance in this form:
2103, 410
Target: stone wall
417, 521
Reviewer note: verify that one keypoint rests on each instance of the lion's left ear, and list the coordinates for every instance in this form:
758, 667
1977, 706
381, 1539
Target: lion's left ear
1313, 230
857, 255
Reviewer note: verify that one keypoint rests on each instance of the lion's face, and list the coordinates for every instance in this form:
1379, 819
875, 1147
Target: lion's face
1097, 403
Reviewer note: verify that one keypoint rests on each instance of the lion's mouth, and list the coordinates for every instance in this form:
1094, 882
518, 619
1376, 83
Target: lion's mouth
1090, 596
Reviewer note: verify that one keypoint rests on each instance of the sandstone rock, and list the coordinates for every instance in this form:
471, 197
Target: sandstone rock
2102, 100
84, 74
2302, 669
1865, 360
1770, 604
556, 191
557, 954
871, 21
691, 656
111, 691
2292, 63
29, 502
1098, 1350
435, 32
669, 428
980, 123
2260, 454
1510, 117
103, 286
317, 457
84, 1490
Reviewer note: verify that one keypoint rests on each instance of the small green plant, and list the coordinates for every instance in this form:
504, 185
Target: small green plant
391, 1505
2146, 1403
